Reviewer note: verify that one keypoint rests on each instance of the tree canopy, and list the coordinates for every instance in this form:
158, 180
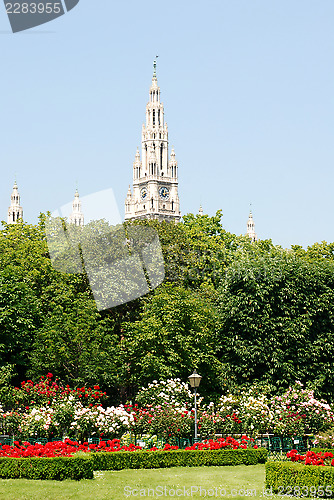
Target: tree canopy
240, 312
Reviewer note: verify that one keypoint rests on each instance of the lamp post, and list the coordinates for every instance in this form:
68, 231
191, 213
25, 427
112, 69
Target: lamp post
194, 381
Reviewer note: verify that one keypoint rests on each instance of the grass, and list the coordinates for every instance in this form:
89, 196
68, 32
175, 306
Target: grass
110, 485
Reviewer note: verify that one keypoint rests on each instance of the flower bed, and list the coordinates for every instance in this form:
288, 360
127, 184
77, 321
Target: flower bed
59, 460
222, 443
312, 457
68, 448
162, 411
62, 449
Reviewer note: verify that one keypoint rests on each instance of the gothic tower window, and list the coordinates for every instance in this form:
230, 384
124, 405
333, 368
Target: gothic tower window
153, 117
161, 154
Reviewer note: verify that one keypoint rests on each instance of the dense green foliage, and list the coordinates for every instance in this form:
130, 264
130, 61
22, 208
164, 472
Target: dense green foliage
242, 313
57, 468
287, 478
177, 458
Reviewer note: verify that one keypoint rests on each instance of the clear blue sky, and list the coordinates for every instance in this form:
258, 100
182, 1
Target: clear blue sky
248, 92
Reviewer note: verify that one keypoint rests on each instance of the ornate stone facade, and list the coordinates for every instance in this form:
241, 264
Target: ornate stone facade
155, 177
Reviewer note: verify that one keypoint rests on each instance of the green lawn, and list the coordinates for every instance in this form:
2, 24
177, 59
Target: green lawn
234, 481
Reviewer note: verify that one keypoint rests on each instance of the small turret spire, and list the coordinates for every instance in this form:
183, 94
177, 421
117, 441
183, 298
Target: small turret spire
251, 226
15, 211
76, 217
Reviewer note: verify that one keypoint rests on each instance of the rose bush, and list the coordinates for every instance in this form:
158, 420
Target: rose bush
172, 391
48, 391
68, 448
163, 420
229, 442
169, 414
250, 412
297, 411
312, 458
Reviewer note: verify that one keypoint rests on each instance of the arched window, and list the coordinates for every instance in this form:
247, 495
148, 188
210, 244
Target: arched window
153, 117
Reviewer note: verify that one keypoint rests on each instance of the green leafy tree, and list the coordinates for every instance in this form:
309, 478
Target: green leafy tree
176, 333
277, 323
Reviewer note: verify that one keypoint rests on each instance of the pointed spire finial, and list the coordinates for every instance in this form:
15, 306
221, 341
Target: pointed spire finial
155, 68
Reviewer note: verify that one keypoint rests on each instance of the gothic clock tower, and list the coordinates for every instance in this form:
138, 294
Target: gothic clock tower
155, 177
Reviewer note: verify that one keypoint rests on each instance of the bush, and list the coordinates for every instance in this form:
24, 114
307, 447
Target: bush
172, 391
325, 439
248, 411
58, 468
177, 458
298, 412
287, 478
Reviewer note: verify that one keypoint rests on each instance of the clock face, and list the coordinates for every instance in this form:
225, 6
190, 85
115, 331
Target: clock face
143, 193
164, 193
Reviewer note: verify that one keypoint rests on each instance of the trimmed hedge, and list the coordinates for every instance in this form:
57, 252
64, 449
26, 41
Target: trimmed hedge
60, 468
55, 468
176, 458
285, 478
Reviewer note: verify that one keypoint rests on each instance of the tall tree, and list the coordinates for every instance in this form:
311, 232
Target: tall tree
177, 332
277, 323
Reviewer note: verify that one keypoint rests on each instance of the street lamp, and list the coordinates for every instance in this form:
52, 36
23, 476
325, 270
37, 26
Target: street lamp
194, 381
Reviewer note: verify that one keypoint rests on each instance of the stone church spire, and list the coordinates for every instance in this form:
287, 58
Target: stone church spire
155, 175
251, 228
76, 217
15, 211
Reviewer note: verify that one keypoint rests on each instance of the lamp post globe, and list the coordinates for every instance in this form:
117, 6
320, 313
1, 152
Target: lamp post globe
195, 380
